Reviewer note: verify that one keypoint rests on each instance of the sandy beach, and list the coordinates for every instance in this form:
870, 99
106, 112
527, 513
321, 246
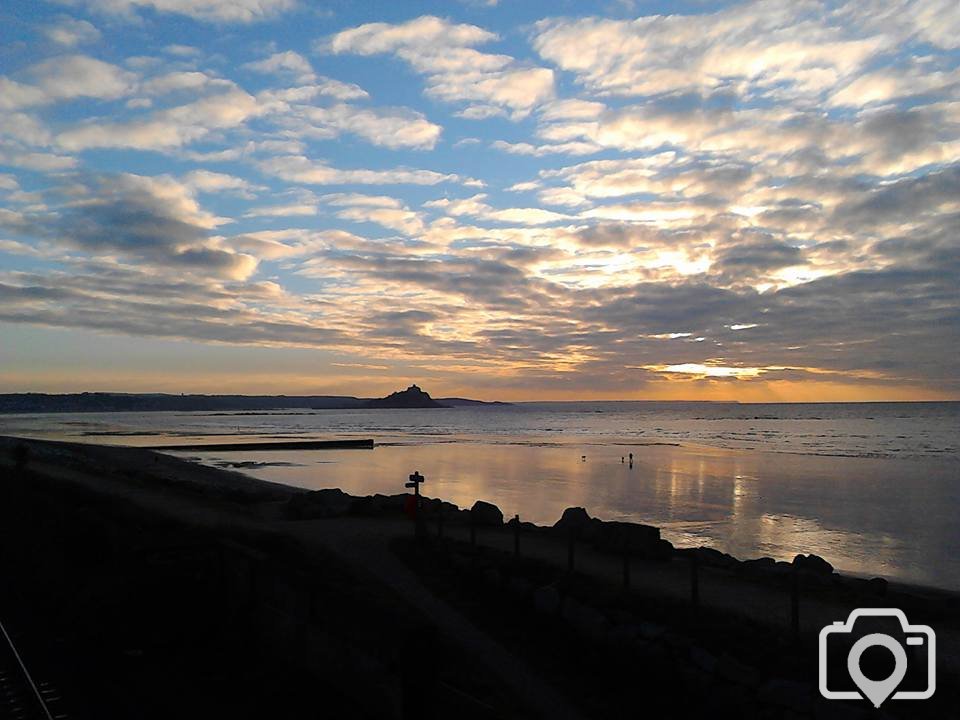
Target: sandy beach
372, 540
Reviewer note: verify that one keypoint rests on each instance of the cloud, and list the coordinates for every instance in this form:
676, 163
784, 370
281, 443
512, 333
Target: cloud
70, 32
243, 11
71, 76
66, 77
298, 168
15, 156
287, 63
154, 219
423, 32
14, 95
164, 129
570, 148
758, 255
207, 181
753, 47
389, 212
180, 81
386, 127
455, 72
476, 207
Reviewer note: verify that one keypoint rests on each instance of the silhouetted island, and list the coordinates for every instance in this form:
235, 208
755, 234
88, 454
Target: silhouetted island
412, 397
156, 402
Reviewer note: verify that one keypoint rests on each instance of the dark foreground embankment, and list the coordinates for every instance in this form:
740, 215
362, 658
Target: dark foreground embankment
145, 586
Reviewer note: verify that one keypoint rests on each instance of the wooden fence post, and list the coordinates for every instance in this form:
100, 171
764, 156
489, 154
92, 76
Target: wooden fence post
695, 579
626, 566
795, 601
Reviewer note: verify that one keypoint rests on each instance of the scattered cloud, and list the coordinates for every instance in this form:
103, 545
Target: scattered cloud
298, 168
70, 32
169, 128
455, 71
242, 11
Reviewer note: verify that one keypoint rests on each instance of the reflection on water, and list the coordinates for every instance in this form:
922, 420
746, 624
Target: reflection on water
893, 518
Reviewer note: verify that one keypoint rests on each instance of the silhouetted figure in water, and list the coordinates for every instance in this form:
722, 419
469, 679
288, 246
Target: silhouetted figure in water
631, 460
621, 459
583, 458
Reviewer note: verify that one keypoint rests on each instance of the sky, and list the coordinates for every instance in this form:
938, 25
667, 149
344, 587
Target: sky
754, 201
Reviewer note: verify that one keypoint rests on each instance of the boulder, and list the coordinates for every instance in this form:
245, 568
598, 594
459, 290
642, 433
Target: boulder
574, 519
813, 564
764, 566
484, 513
877, 586
524, 526
330, 502
433, 506
379, 504
710, 557
642, 540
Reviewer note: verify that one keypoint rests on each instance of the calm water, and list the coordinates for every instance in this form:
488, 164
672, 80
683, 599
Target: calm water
874, 488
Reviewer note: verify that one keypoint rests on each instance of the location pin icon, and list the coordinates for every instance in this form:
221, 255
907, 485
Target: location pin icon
876, 691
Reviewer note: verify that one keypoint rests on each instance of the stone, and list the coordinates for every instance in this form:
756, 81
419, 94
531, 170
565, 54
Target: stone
711, 557
642, 540
877, 586
813, 564
661, 551
388, 504
760, 566
485, 513
574, 519
330, 502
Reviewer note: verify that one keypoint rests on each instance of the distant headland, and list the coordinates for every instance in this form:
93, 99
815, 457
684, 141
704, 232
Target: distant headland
412, 397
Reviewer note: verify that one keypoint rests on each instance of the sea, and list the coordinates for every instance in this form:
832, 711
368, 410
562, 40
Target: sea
872, 487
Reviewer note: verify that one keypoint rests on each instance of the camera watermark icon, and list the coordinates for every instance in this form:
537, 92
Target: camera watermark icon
878, 691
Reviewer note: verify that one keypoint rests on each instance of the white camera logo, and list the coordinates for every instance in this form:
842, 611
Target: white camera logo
877, 691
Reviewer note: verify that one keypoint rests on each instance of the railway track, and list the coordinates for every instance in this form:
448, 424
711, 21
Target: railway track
24, 696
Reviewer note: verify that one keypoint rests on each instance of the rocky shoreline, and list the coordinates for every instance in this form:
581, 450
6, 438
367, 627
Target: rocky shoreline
613, 537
